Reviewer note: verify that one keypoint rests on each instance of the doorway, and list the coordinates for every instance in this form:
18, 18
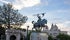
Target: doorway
13, 37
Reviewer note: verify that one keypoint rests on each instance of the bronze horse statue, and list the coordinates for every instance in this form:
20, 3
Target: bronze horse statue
40, 23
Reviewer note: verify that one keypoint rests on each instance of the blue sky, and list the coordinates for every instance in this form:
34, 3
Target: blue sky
57, 11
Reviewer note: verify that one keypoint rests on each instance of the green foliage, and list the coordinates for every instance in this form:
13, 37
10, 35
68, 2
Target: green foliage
2, 30
29, 35
63, 37
50, 38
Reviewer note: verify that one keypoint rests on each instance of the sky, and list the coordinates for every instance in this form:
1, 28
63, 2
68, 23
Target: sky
57, 11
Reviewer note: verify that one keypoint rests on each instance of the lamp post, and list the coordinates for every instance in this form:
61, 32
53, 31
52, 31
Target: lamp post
27, 32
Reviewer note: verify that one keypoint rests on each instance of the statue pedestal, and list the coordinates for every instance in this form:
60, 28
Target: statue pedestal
39, 36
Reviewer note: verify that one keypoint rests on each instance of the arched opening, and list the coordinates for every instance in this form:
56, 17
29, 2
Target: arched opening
22, 37
12, 37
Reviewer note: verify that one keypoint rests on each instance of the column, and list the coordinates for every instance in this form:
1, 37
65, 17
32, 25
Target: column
7, 37
18, 37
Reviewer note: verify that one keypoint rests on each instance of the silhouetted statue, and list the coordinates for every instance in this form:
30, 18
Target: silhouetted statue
40, 22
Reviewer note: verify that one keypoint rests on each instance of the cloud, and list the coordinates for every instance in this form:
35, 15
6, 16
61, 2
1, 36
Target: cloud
19, 4
67, 23
27, 24
65, 26
60, 11
3, 1
44, 2
67, 2
59, 17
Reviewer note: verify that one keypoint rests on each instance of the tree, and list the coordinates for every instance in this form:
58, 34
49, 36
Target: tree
2, 31
10, 16
29, 34
63, 37
50, 38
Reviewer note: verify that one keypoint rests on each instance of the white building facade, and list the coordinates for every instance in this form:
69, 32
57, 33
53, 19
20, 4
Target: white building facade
54, 31
13, 34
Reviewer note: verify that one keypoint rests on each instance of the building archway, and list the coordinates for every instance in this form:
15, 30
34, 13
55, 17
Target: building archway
13, 37
22, 37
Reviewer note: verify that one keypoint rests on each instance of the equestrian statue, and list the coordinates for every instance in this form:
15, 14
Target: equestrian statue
40, 22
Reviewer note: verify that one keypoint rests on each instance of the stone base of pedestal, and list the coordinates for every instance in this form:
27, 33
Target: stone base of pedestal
39, 36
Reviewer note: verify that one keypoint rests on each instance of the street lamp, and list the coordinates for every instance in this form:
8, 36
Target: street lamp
27, 32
